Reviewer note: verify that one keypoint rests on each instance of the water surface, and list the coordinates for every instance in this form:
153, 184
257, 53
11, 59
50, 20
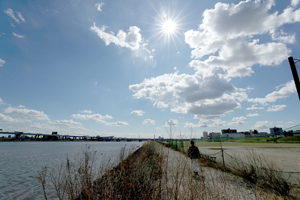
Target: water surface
21, 161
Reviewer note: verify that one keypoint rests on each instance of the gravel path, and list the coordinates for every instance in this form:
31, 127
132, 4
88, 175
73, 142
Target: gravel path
180, 183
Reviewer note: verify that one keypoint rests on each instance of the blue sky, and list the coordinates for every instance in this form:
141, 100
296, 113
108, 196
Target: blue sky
129, 68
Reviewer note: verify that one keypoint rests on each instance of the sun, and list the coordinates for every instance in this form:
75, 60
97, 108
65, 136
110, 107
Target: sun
169, 27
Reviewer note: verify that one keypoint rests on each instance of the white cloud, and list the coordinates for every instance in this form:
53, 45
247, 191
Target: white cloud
17, 35
2, 62
149, 122
283, 37
69, 130
11, 14
21, 17
131, 40
239, 118
96, 117
206, 97
6, 119
252, 115
285, 91
86, 111
228, 38
118, 123
227, 31
27, 114
237, 121
254, 107
263, 125
275, 108
66, 123
294, 2
138, 112
218, 122
99, 5
100, 119
200, 124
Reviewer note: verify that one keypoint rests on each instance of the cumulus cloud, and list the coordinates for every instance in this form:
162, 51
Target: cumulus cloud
200, 124
275, 108
252, 115
131, 40
227, 44
27, 114
294, 2
2, 62
99, 5
227, 31
182, 93
96, 117
285, 91
6, 119
138, 112
237, 121
254, 107
283, 37
66, 123
17, 35
100, 119
262, 125
149, 122
118, 123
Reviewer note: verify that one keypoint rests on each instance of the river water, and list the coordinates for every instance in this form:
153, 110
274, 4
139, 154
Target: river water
21, 161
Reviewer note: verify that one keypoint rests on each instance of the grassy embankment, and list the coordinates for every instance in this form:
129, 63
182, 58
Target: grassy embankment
288, 139
148, 173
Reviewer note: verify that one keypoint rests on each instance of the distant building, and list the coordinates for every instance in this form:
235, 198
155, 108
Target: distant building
224, 131
245, 132
233, 135
205, 137
276, 131
212, 135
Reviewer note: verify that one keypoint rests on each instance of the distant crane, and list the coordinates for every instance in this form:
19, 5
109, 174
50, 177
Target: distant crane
295, 73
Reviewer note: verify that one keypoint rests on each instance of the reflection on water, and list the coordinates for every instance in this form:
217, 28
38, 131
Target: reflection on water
21, 161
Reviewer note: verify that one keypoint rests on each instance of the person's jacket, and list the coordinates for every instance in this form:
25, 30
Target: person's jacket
193, 152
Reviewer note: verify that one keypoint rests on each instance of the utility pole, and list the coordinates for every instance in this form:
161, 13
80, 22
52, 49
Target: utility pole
295, 74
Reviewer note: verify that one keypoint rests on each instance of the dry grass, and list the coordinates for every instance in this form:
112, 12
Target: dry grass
258, 170
152, 172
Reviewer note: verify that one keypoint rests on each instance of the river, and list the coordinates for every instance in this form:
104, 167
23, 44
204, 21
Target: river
21, 161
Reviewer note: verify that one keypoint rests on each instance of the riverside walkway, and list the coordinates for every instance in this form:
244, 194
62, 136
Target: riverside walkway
180, 183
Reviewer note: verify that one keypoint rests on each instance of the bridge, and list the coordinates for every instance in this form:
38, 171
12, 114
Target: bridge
55, 136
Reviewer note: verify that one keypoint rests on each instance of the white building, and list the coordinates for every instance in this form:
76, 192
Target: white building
205, 137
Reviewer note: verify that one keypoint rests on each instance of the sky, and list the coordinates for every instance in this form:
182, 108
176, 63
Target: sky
136, 68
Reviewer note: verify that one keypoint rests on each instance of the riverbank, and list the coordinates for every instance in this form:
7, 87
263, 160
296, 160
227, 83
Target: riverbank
154, 172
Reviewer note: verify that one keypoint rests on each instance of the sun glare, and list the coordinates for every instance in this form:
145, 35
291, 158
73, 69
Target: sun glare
169, 27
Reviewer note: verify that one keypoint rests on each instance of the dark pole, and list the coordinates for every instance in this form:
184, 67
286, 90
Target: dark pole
295, 75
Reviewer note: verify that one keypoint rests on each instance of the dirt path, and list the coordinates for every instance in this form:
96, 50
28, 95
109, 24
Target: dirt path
180, 181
